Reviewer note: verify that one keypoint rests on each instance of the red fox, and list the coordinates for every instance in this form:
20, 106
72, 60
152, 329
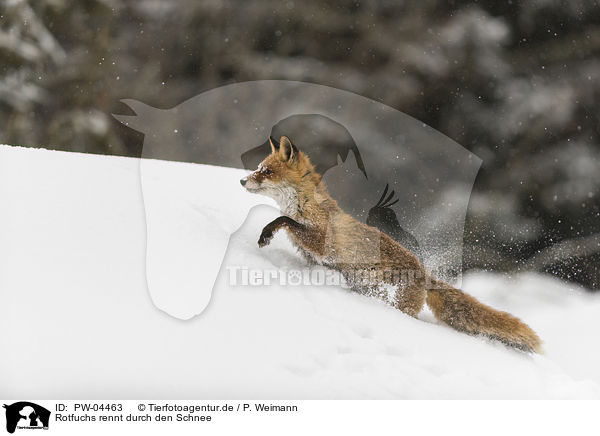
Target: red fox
326, 235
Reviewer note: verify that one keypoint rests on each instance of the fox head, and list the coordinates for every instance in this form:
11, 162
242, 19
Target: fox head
283, 174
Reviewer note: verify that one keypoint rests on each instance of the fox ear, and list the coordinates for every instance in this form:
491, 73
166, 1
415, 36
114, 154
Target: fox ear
274, 144
287, 150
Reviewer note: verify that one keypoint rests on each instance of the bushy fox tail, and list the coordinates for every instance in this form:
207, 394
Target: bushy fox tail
464, 313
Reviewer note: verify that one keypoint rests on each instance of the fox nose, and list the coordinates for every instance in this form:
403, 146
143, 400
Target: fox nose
243, 182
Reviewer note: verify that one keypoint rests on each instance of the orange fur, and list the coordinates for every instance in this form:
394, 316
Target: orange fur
327, 235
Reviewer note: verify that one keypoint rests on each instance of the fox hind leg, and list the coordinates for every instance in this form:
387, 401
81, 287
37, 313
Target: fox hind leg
410, 299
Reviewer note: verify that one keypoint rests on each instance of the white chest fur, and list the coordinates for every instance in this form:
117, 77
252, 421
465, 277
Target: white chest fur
287, 199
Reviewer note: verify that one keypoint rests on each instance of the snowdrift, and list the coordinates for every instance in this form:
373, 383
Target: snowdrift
77, 320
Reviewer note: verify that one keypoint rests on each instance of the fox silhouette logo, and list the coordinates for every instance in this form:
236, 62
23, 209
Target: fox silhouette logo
26, 415
364, 149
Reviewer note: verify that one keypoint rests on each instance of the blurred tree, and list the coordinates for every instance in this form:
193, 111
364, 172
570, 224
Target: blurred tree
518, 83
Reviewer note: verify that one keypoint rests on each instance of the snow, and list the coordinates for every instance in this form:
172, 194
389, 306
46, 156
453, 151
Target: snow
78, 321
187, 231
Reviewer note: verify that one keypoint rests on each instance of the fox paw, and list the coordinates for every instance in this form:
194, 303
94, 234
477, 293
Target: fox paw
265, 238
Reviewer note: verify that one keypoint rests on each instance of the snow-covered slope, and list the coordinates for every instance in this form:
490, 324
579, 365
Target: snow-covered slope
77, 320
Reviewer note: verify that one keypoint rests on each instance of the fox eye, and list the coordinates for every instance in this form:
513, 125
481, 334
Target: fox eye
268, 171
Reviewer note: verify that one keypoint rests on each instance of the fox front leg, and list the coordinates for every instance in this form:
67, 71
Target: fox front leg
270, 229
310, 239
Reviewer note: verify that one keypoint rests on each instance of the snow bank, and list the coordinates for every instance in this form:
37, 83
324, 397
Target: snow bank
77, 320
